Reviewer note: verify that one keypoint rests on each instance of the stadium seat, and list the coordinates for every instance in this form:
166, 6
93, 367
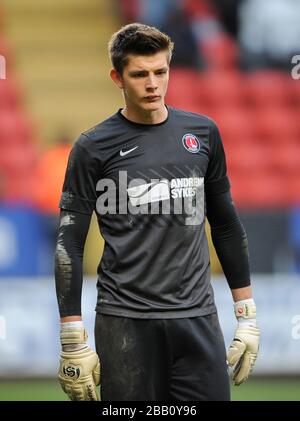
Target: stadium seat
294, 90
221, 53
129, 10
14, 158
14, 127
293, 187
236, 125
198, 9
265, 88
18, 187
220, 89
260, 191
9, 95
183, 88
286, 158
248, 159
277, 125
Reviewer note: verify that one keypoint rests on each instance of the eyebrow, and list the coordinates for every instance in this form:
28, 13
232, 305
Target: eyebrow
132, 72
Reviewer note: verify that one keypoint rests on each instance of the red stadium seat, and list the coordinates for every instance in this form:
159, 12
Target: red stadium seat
220, 89
248, 159
295, 91
293, 187
14, 127
221, 53
236, 125
265, 88
129, 10
183, 88
18, 187
260, 190
9, 95
199, 9
14, 158
286, 158
277, 125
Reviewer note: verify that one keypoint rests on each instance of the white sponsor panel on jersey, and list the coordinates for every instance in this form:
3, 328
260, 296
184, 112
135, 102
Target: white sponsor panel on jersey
147, 193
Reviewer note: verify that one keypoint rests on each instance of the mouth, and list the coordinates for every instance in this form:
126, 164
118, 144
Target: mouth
152, 98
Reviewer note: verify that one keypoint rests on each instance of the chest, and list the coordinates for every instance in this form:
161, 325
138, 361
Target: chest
159, 155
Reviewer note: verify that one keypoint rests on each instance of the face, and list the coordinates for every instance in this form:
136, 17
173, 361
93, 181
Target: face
144, 82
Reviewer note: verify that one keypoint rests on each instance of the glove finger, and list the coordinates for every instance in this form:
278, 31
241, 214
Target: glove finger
62, 384
242, 370
75, 393
91, 392
235, 351
84, 392
96, 374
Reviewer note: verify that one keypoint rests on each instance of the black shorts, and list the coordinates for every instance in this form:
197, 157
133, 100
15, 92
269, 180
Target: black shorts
161, 360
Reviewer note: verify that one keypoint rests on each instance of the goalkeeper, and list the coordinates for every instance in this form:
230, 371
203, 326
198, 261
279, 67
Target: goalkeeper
152, 174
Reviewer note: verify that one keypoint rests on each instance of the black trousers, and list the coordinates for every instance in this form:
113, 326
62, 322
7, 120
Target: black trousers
161, 360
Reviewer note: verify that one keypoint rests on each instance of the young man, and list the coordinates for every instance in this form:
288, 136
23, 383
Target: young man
152, 173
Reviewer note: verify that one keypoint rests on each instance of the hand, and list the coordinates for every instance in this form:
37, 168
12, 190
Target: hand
79, 371
243, 350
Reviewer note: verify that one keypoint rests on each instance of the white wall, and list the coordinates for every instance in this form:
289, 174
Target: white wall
29, 327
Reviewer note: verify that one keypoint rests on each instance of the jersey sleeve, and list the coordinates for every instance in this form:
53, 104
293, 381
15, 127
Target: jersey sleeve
216, 179
79, 188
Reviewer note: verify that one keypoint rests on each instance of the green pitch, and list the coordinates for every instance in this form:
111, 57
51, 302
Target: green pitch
255, 390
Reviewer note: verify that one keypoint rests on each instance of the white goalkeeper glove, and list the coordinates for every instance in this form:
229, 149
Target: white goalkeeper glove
243, 350
79, 371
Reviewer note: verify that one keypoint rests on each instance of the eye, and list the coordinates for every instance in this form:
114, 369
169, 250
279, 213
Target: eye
138, 75
161, 72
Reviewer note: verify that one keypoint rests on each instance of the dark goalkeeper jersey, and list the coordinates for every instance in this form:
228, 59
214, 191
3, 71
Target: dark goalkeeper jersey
147, 185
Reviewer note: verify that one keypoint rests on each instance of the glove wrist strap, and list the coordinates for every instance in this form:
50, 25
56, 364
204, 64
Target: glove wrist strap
73, 347
245, 309
245, 312
73, 336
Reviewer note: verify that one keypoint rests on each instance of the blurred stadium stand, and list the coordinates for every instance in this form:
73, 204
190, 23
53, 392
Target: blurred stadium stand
58, 51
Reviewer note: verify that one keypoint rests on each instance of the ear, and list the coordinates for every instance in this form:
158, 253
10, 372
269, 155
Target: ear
116, 78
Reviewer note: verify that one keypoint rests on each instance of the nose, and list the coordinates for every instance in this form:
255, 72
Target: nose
151, 83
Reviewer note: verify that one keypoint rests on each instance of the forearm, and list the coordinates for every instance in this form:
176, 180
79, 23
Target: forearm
70, 319
72, 234
230, 241
239, 294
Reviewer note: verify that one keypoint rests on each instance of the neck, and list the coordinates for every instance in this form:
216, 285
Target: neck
146, 117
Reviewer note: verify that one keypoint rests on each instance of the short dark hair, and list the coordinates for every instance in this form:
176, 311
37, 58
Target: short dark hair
137, 39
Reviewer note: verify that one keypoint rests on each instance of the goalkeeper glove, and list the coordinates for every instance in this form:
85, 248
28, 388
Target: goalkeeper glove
243, 350
79, 371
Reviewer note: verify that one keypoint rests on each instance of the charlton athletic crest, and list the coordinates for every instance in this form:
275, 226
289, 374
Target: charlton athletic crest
191, 143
